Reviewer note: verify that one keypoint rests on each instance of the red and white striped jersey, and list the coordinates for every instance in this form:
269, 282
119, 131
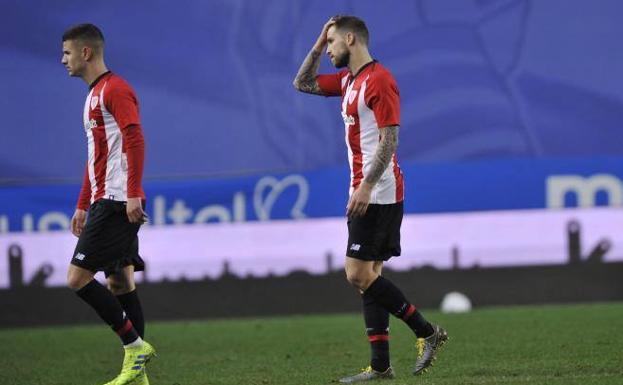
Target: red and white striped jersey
115, 142
370, 100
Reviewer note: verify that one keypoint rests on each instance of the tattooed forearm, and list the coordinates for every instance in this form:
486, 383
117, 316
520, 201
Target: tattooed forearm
305, 80
384, 152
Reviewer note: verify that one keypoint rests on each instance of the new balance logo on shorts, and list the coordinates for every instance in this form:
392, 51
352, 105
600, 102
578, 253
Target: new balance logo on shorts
355, 247
79, 256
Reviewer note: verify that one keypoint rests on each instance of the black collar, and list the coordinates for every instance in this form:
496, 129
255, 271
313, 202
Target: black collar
363, 67
98, 79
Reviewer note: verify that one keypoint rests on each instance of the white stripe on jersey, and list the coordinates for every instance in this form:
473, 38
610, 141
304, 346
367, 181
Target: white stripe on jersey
347, 128
90, 146
116, 173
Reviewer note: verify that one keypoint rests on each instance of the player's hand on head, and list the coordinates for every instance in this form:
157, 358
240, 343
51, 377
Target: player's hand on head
322, 39
134, 209
78, 221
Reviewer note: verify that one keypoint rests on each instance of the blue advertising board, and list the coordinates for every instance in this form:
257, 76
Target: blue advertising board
430, 188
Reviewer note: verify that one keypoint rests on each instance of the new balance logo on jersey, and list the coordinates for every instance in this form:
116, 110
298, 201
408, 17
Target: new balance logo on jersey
355, 247
91, 125
79, 256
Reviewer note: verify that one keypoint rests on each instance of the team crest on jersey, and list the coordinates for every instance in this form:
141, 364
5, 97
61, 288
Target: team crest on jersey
91, 124
348, 119
351, 96
94, 101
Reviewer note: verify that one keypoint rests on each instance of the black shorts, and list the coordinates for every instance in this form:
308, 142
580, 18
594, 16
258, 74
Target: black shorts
376, 235
109, 242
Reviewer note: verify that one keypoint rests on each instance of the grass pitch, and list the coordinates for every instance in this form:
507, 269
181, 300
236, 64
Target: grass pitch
580, 344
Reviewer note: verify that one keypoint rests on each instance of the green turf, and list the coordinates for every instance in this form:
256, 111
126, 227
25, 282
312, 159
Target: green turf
580, 344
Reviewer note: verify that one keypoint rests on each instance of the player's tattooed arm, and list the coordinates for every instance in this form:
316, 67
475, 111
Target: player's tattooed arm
384, 152
305, 80
360, 198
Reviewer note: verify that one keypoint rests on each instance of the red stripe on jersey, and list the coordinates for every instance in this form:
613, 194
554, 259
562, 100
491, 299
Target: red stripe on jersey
101, 158
134, 144
85, 192
354, 139
400, 184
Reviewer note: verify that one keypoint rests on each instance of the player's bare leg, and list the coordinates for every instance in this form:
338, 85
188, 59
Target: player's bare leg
365, 276
122, 282
123, 286
106, 305
78, 277
361, 274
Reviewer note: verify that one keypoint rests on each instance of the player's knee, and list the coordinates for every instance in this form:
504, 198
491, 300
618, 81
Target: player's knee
73, 283
76, 281
115, 287
356, 278
119, 287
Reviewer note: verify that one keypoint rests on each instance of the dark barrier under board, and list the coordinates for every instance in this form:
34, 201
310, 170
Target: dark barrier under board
302, 293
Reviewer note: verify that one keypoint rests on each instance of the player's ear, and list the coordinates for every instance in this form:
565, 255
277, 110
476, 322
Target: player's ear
87, 52
350, 38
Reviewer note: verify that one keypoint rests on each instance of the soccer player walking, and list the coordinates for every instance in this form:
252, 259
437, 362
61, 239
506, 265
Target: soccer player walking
112, 194
371, 113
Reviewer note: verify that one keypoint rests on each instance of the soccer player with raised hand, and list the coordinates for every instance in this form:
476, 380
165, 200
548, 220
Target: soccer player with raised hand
370, 109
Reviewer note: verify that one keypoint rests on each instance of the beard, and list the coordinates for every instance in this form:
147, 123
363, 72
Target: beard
342, 60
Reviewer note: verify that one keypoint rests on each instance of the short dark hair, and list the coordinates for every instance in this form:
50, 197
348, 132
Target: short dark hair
86, 33
354, 24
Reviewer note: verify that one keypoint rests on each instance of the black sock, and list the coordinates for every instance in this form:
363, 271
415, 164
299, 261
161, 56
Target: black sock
109, 309
377, 329
132, 306
386, 294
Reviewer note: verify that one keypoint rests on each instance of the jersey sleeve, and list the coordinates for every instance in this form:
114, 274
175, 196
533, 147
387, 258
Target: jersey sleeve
330, 84
383, 98
121, 102
134, 144
84, 199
